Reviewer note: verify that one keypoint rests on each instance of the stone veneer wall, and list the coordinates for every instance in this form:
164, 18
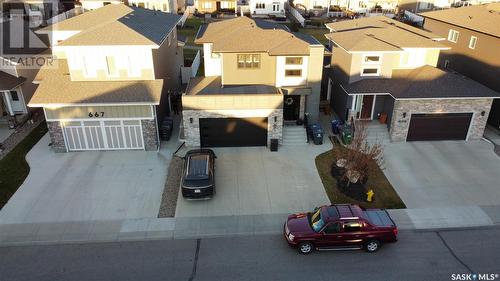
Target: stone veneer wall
399, 125
150, 134
192, 130
56, 136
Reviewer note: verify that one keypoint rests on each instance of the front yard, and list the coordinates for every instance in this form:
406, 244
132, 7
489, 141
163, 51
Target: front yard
190, 29
385, 195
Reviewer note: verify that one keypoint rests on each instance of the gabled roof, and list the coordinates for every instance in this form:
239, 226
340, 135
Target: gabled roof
483, 18
425, 82
117, 24
380, 34
242, 34
9, 82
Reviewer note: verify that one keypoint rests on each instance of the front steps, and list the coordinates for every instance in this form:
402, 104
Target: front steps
294, 135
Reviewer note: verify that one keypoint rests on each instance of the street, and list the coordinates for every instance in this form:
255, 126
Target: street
417, 256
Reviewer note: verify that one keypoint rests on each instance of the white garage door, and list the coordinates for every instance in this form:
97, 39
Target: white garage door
103, 135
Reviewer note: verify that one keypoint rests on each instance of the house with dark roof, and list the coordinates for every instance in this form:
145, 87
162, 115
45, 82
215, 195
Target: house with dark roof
473, 36
111, 82
386, 70
260, 81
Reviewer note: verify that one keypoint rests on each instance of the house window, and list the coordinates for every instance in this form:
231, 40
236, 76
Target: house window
453, 36
371, 59
106, 3
225, 5
370, 71
14, 95
472, 42
141, 5
293, 60
111, 66
34, 7
276, 7
260, 6
207, 5
293, 73
248, 61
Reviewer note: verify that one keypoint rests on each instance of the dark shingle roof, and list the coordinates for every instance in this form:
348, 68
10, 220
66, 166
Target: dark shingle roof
9, 82
425, 82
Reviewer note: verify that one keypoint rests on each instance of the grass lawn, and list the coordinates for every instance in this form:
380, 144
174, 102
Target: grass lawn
190, 29
385, 195
14, 168
317, 33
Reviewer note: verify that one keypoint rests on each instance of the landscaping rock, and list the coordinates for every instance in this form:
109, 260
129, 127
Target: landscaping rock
171, 191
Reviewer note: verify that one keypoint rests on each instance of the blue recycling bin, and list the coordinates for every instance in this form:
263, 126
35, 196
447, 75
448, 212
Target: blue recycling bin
336, 123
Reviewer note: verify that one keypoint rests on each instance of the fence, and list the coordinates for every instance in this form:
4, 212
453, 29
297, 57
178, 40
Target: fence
414, 18
183, 19
295, 14
190, 71
66, 15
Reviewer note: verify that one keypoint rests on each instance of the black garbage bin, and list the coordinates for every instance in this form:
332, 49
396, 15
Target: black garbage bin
166, 128
274, 144
316, 133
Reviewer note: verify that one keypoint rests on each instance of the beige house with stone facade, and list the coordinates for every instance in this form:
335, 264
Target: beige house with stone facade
384, 69
258, 78
116, 67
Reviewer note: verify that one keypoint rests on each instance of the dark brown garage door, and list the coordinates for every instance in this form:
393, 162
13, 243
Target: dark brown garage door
442, 126
233, 131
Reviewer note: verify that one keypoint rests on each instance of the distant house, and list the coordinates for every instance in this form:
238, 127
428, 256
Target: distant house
211, 6
116, 67
473, 36
386, 70
258, 78
167, 6
267, 7
420, 6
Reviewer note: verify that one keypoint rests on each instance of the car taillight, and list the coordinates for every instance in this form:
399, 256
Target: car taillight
395, 231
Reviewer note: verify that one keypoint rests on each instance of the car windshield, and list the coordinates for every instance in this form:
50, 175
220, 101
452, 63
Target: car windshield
197, 167
317, 221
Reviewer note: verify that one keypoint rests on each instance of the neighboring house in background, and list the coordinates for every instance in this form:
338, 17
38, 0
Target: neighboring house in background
212, 6
267, 7
417, 6
473, 34
356, 6
89, 5
258, 77
167, 6
116, 68
384, 69
38, 11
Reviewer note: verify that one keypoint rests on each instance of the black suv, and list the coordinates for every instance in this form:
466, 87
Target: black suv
198, 176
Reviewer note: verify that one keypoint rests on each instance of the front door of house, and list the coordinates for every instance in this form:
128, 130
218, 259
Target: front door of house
366, 108
217, 4
291, 107
17, 103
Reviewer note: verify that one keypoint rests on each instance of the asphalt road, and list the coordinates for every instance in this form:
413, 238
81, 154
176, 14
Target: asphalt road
417, 256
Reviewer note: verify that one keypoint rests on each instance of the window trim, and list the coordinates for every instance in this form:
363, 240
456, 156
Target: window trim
253, 61
370, 67
108, 72
470, 42
363, 59
451, 36
293, 76
291, 57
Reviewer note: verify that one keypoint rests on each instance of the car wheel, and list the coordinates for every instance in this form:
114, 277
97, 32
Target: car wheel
372, 246
306, 248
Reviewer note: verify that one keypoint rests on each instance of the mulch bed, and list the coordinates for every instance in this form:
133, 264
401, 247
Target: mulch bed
171, 191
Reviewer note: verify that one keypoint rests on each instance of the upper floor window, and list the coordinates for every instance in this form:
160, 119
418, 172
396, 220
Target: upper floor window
370, 71
453, 36
293, 60
225, 5
111, 66
207, 5
260, 6
293, 72
371, 59
472, 42
276, 7
249, 61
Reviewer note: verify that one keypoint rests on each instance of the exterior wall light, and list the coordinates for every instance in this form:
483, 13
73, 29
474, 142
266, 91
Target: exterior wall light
191, 120
404, 114
483, 113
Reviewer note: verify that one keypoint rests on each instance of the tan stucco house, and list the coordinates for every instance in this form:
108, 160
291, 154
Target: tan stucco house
382, 67
116, 67
258, 77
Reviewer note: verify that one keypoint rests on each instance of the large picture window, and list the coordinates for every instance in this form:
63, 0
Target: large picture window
249, 61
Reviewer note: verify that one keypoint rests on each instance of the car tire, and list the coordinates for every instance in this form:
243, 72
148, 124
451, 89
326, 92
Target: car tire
306, 248
372, 246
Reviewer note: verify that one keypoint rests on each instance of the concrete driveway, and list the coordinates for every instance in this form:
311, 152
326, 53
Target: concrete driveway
88, 186
444, 174
255, 181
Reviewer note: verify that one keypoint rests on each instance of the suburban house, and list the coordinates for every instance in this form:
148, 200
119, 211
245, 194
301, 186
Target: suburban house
167, 6
318, 7
417, 6
386, 70
267, 7
116, 67
37, 11
473, 36
212, 6
258, 77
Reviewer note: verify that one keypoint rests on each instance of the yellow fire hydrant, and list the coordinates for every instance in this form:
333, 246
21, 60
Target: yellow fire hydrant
370, 194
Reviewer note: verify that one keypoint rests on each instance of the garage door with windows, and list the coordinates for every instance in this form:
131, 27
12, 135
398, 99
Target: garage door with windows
103, 135
220, 132
439, 126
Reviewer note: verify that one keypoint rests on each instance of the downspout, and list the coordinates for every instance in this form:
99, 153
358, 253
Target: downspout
153, 107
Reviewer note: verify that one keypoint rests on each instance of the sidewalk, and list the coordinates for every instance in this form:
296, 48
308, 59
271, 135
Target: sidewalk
205, 227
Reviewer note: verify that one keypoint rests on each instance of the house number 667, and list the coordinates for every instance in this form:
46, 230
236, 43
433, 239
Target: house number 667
96, 114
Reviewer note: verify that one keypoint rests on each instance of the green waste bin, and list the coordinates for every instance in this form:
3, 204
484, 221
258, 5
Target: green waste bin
346, 134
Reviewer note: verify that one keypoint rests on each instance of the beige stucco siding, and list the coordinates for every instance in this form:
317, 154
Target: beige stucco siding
233, 102
82, 112
232, 75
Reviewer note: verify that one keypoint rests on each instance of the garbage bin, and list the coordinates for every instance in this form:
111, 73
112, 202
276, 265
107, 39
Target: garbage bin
335, 126
316, 133
346, 134
274, 144
166, 128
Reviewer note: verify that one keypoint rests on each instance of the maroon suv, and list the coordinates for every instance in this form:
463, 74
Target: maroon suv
340, 227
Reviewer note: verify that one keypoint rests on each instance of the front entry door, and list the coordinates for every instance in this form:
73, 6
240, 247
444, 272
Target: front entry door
217, 5
291, 107
366, 108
